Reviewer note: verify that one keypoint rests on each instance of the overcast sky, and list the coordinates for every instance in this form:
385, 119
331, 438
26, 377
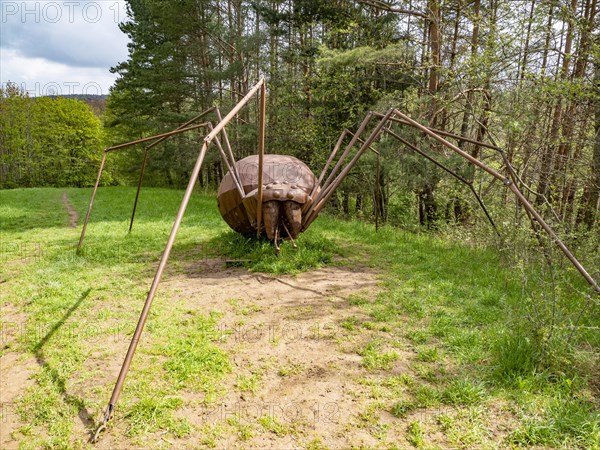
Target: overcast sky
61, 47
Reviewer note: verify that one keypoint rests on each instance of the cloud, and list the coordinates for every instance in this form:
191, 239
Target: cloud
61, 42
39, 76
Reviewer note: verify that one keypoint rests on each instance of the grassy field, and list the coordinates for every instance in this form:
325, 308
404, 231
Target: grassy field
442, 355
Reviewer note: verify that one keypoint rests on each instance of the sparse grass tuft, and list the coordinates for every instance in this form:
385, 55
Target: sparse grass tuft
374, 358
249, 383
291, 369
244, 431
402, 408
273, 425
211, 434
426, 396
464, 392
428, 354
350, 323
316, 444
415, 434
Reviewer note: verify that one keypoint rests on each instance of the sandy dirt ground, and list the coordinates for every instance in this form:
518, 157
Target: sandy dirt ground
287, 332
283, 332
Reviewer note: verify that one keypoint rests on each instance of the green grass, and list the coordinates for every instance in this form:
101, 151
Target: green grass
248, 383
259, 255
375, 358
459, 311
243, 430
415, 434
274, 425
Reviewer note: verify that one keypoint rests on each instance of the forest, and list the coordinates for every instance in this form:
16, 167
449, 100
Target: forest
521, 74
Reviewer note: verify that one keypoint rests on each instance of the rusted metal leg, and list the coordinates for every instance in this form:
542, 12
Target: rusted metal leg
139, 186
145, 160
144, 315
89, 211
330, 179
326, 193
513, 188
554, 237
165, 256
337, 146
451, 172
261, 157
229, 150
340, 161
228, 164
276, 241
290, 236
160, 137
377, 193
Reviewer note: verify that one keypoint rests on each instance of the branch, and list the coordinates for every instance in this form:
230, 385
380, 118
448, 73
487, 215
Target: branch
382, 5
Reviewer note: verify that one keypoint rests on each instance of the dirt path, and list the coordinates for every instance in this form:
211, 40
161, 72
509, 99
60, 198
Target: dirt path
291, 346
298, 379
73, 216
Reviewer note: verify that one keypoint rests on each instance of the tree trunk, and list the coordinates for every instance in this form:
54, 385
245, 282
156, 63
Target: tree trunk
568, 129
346, 202
435, 40
464, 128
523, 66
545, 175
588, 211
427, 207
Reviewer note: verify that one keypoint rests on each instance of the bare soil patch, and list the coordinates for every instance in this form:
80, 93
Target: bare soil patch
16, 371
286, 338
296, 377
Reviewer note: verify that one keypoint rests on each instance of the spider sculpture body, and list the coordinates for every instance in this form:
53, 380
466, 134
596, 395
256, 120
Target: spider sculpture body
288, 185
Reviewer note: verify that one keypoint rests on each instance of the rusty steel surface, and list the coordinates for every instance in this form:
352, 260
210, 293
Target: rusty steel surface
261, 158
285, 179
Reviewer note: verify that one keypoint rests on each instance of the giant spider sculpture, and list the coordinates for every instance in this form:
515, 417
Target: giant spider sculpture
279, 196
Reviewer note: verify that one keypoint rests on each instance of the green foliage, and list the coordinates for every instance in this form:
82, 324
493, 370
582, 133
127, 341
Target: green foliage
47, 141
515, 355
415, 434
402, 408
273, 425
570, 422
464, 392
154, 412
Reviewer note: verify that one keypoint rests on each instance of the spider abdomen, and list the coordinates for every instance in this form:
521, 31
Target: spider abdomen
286, 180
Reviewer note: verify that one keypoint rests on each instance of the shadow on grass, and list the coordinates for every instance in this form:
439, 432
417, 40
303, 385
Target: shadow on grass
57, 380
